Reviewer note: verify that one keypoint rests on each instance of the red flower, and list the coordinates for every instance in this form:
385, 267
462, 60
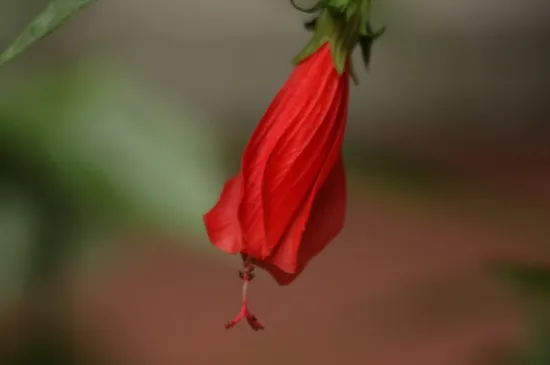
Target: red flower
291, 177
288, 201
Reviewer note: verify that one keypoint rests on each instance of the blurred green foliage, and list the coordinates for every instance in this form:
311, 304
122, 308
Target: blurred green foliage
540, 351
397, 171
533, 283
17, 228
84, 151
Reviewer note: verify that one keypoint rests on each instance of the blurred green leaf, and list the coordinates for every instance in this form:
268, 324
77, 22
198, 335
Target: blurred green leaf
123, 153
56, 14
393, 170
541, 353
531, 280
17, 231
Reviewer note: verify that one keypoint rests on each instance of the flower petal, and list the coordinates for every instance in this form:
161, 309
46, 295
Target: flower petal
288, 255
296, 162
325, 221
222, 222
292, 121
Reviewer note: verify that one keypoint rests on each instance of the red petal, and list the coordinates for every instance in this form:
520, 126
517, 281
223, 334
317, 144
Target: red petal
291, 255
222, 222
294, 165
325, 221
287, 150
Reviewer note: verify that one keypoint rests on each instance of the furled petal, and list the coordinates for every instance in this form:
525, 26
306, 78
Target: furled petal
325, 221
287, 150
291, 254
295, 164
222, 222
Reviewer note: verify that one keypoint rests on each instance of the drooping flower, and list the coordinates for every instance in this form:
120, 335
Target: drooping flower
288, 201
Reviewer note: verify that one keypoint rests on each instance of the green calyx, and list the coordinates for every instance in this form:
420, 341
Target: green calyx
344, 24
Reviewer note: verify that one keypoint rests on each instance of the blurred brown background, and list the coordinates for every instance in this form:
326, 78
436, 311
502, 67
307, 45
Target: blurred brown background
117, 132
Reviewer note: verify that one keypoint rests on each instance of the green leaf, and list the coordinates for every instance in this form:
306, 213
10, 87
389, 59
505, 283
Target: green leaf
533, 281
366, 41
56, 14
118, 149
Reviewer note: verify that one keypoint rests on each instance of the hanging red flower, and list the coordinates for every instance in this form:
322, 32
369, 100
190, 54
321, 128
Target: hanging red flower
288, 201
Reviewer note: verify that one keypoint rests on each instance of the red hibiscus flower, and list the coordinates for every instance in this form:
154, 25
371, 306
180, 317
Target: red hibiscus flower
288, 201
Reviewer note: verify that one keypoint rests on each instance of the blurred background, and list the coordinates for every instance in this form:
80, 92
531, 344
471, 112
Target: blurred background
118, 131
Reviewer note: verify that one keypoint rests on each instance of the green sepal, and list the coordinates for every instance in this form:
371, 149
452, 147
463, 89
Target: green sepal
366, 40
310, 25
343, 24
333, 28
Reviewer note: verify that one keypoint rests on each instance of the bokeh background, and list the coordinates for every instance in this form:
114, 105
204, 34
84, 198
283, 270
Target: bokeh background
116, 135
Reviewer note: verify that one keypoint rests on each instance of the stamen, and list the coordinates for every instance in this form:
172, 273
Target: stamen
246, 275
